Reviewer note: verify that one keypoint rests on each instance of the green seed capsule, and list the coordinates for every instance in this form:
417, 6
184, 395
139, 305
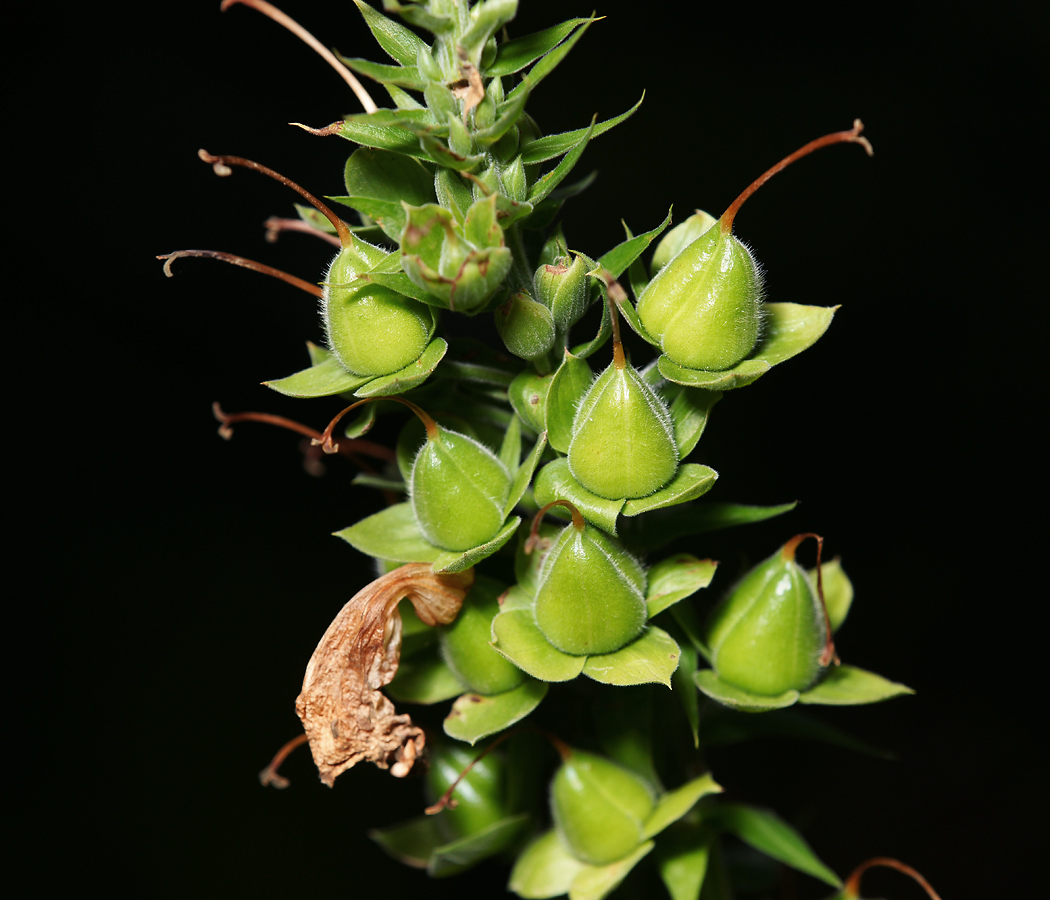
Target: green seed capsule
371, 329
465, 643
564, 289
591, 594
622, 438
527, 327
705, 305
770, 634
680, 237
479, 796
459, 488
599, 807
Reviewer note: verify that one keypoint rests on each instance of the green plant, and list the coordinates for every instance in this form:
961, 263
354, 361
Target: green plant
456, 194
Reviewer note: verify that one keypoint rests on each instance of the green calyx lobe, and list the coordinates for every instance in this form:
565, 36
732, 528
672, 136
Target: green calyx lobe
465, 643
459, 489
371, 329
705, 305
599, 807
769, 634
622, 442
591, 594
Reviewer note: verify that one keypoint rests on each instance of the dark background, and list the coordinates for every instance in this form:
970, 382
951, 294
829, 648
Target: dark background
197, 575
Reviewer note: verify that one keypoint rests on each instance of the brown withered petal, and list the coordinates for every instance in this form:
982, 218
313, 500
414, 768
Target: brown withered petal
345, 717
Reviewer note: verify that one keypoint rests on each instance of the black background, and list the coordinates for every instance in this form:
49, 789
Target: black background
196, 576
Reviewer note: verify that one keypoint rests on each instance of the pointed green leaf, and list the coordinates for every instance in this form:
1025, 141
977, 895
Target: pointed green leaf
651, 658
486, 18
737, 698
424, 678
515, 55
850, 686
838, 591
544, 869
402, 44
383, 73
324, 379
391, 534
516, 636
676, 578
509, 113
691, 481
682, 858
420, 16
550, 61
411, 842
510, 449
409, 377
567, 387
596, 882
460, 855
385, 134
547, 183
685, 689
675, 804
617, 260
475, 716
555, 482
604, 331
690, 408
769, 834
523, 476
554, 145
457, 562
657, 529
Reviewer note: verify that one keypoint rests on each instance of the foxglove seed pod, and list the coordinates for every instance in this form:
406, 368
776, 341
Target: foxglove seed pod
591, 593
622, 441
705, 305
680, 237
770, 634
459, 488
371, 329
527, 327
479, 796
465, 643
599, 807
564, 289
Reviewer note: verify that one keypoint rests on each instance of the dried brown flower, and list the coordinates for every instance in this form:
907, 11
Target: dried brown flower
345, 717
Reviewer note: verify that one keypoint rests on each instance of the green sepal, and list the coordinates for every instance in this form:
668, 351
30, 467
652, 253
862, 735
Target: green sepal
325, 378
649, 659
377, 181
523, 476
421, 17
692, 480
661, 527
475, 716
681, 858
412, 842
552, 146
380, 484
402, 99
486, 18
452, 193
451, 561
510, 449
508, 114
389, 133
515, 55
411, 376
547, 183
690, 408
549, 62
555, 482
401, 283
604, 332
478, 363
685, 689
516, 635
850, 686
676, 578
787, 330
838, 591
619, 259
441, 153
769, 834
393, 534
596, 882
738, 698
544, 869
675, 804
407, 77
424, 678
570, 382
460, 855
399, 42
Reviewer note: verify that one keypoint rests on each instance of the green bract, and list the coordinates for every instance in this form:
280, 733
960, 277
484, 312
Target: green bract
599, 807
591, 594
705, 305
768, 635
622, 438
459, 489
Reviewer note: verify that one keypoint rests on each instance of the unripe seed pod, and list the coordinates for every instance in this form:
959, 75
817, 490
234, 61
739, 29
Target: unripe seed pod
599, 807
591, 593
459, 488
479, 796
770, 634
680, 237
705, 305
564, 289
465, 643
527, 327
371, 329
622, 441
